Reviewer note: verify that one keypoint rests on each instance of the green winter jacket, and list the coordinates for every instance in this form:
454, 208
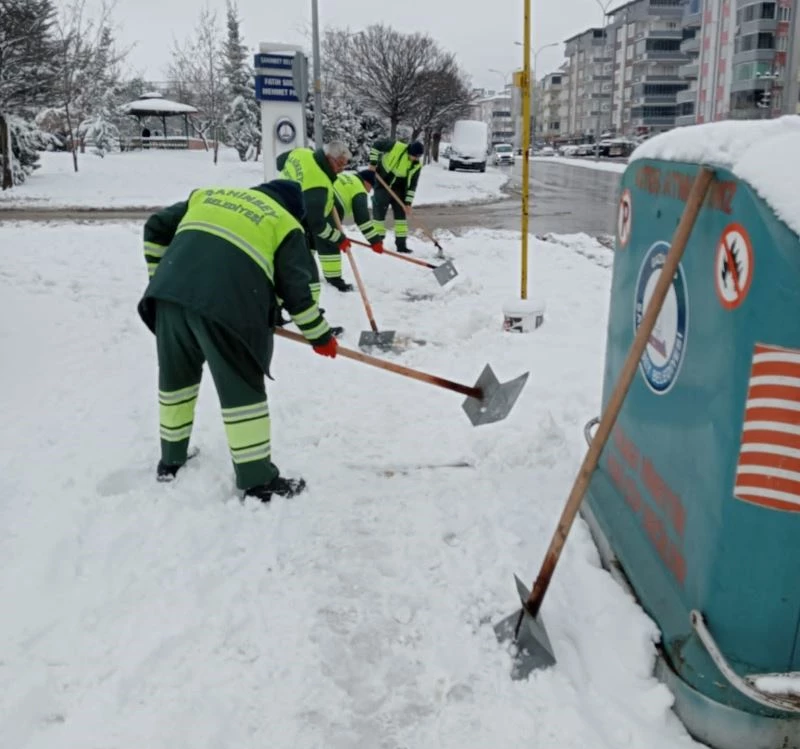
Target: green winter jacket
311, 170
225, 254
351, 200
396, 167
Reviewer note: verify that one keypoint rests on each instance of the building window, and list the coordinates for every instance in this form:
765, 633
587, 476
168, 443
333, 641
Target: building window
785, 13
747, 71
754, 41
783, 43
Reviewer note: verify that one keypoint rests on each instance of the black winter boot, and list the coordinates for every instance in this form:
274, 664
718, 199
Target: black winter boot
401, 246
280, 486
340, 284
166, 472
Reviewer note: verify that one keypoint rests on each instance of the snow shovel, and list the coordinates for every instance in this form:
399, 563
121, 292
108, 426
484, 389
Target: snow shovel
489, 400
403, 206
381, 339
444, 273
525, 627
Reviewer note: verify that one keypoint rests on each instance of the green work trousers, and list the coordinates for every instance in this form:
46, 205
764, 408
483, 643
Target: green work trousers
381, 202
186, 340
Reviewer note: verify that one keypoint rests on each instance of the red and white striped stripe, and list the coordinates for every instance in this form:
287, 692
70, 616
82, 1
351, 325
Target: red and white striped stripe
768, 471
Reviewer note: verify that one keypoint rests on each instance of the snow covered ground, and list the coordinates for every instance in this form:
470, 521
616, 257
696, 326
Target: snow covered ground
602, 166
153, 178
357, 615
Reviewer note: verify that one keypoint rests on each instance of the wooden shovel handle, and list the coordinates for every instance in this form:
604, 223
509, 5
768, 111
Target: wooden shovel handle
399, 256
698, 193
372, 361
399, 202
359, 282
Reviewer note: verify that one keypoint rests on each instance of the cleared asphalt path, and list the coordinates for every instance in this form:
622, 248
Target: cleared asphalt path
565, 199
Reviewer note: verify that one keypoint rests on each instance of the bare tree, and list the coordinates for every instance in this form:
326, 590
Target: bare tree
84, 46
197, 74
443, 96
380, 68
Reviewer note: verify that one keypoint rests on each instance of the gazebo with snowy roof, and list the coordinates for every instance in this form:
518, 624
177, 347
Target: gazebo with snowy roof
153, 104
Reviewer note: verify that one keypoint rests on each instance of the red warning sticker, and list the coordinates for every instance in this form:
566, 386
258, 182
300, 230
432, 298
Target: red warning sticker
733, 266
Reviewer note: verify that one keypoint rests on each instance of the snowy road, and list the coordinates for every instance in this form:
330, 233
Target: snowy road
565, 200
356, 616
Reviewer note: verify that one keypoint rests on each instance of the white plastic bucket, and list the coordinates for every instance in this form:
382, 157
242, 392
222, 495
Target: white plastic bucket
522, 315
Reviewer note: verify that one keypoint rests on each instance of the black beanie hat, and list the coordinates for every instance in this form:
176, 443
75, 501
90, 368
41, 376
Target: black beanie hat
290, 194
368, 176
416, 149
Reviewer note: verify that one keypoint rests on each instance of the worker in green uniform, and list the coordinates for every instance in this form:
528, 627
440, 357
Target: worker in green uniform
399, 165
217, 263
315, 171
351, 199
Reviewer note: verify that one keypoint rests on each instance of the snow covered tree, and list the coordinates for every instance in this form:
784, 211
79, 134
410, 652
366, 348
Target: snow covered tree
100, 129
241, 128
243, 120
197, 74
88, 66
27, 74
24, 141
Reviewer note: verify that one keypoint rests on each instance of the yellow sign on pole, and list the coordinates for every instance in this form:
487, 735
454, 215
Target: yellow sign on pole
525, 83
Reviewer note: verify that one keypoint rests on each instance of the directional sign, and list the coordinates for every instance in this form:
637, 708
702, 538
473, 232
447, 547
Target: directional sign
625, 218
283, 62
275, 88
733, 266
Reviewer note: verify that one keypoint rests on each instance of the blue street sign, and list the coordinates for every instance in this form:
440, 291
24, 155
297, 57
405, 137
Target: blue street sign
273, 60
275, 88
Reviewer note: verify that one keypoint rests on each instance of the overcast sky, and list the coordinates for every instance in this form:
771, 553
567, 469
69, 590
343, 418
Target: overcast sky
481, 34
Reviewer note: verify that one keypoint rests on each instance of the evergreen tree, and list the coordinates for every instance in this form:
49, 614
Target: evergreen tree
243, 128
100, 129
27, 77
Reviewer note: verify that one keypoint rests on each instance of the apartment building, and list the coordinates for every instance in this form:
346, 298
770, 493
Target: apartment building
766, 58
496, 109
647, 39
589, 75
548, 109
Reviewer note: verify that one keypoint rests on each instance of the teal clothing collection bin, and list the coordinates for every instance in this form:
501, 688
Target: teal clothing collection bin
698, 490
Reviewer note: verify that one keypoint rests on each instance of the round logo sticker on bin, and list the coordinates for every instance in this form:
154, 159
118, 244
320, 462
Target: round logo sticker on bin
625, 218
733, 266
663, 356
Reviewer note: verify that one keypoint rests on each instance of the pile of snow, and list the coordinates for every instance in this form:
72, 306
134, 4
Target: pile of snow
359, 614
763, 153
144, 179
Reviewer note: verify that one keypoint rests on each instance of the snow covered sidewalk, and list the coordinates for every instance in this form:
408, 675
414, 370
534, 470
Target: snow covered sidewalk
600, 166
357, 615
153, 178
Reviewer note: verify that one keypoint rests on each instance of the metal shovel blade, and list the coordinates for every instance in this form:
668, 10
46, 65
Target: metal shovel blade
382, 339
533, 648
445, 272
498, 398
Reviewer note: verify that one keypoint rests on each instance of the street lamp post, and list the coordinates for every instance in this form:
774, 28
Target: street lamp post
317, 74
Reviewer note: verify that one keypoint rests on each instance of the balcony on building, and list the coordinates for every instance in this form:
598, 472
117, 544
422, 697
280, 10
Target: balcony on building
754, 17
654, 50
691, 45
666, 8
688, 95
690, 70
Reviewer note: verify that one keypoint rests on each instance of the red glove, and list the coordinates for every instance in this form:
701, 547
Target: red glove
328, 349
377, 247
345, 245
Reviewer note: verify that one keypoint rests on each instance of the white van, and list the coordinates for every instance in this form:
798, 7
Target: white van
468, 145
503, 154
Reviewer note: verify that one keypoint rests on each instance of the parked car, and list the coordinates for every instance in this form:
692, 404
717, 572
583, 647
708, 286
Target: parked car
546, 151
468, 145
503, 154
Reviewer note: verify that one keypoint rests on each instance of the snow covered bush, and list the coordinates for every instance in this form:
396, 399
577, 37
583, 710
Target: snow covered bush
100, 130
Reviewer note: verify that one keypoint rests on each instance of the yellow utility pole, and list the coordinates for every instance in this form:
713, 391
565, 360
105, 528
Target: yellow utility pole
524, 81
